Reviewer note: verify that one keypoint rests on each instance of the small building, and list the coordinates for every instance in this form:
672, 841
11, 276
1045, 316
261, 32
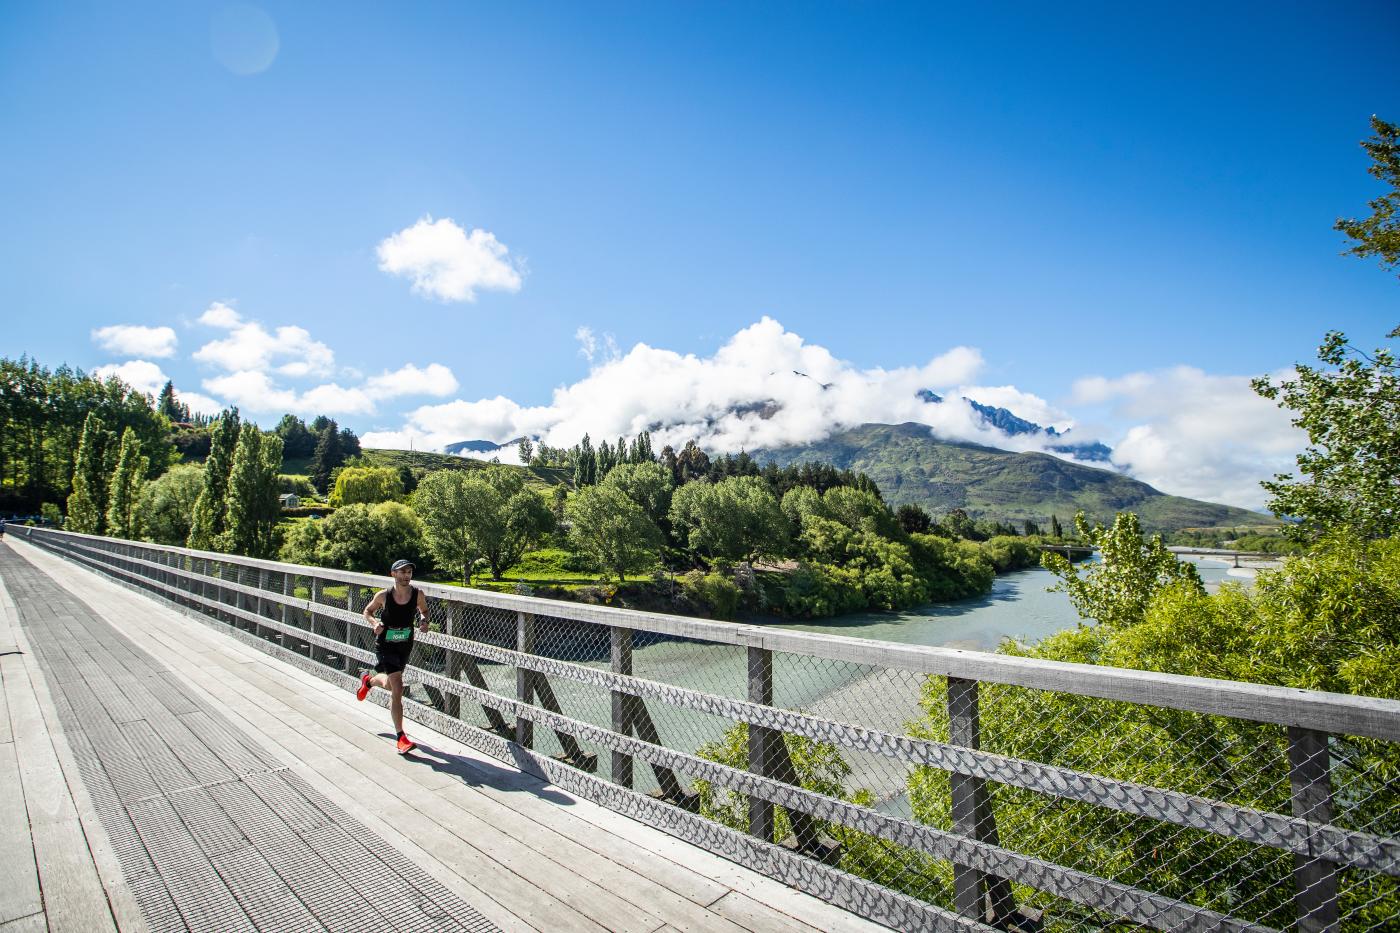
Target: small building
289, 500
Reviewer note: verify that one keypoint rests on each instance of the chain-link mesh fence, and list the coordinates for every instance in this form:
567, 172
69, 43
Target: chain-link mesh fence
958, 780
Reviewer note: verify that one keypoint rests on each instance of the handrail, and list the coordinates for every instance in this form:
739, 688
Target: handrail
1374, 717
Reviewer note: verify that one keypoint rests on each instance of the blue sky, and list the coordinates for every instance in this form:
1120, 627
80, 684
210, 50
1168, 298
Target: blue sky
1138, 196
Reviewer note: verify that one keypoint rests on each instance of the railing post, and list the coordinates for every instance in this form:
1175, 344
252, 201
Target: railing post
621, 643
456, 628
975, 893
524, 683
1309, 774
317, 590
760, 740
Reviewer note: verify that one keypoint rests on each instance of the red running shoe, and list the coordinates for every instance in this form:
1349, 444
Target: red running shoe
406, 745
363, 692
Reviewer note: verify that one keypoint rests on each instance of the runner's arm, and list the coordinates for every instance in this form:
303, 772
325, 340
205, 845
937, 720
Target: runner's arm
374, 606
422, 612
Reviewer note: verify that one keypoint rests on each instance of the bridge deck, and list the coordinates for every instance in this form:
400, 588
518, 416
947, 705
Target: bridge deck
171, 778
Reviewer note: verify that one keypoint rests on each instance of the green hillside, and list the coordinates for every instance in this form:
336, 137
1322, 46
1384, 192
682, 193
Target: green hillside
912, 466
421, 463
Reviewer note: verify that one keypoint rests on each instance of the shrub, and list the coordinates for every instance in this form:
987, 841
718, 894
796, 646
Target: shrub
712, 591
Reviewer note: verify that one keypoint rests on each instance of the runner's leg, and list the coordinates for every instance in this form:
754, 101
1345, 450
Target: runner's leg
395, 687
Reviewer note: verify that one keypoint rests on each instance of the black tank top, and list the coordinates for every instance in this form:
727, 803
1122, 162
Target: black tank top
398, 618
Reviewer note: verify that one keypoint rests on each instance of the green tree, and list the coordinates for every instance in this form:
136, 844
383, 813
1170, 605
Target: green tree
1379, 234
612, 532
585, 464
526, 451
124, 489
913, 519
1134, 568
297, 441
168, 501
445, 501
647, 484
366, 485
211, 509
330, 453
302, 543
507, 519
1056, 531
170, 406
364, 538
86, 504
253, 507
1350, 472
736, 519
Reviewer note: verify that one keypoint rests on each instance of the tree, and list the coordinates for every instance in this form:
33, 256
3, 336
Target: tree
1056, 531
505, 517
1351, 468
737, 519
647, 484
366, 485
585, 464
1117, 591
211, 509
123, 492
612, 532
692, 463
445, 500
360, 537
526, 451
170, 406
86, 506
957, 524
253, 508
1379, 234
329, 455
297, 441
913, 519
168, 501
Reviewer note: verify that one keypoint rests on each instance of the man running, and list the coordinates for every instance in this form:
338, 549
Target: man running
399, 607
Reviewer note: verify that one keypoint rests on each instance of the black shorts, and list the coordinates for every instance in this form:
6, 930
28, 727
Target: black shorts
392, 657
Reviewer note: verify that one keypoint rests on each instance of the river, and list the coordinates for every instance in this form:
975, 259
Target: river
1019, 607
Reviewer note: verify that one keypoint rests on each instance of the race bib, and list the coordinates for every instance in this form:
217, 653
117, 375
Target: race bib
398, 634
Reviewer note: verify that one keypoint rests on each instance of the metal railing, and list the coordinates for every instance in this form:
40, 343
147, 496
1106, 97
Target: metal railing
924, 788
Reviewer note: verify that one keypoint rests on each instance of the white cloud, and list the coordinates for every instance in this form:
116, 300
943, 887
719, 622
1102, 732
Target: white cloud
765, 387
219, 314
249, 347
253, 391
141, 375
1197, 435
333, 399
434, 379
199, 404
589, 345
136, 340
445, 262
1022, 404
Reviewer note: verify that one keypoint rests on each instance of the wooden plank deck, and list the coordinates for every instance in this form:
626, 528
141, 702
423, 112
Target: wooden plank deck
522, 853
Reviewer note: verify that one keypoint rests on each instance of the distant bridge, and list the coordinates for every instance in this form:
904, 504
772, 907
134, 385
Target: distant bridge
1221, 554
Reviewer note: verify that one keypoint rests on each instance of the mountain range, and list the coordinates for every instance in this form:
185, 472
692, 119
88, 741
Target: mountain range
910, 465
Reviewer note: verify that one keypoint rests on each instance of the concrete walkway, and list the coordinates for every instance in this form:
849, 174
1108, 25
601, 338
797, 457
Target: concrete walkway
170, 777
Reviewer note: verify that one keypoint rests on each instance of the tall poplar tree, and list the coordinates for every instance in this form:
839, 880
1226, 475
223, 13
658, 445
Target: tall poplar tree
253, 507
329, 455
124, 489
85, 505
211, 509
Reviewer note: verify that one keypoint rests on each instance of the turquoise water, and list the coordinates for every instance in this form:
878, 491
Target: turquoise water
1019, 607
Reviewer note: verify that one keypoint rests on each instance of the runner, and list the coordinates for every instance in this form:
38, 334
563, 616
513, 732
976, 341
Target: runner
402, 604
